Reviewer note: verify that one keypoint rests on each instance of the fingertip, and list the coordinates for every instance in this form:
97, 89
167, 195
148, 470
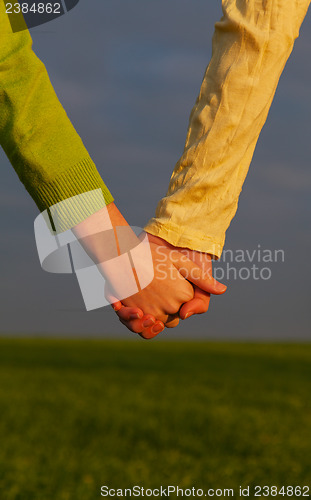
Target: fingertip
134, 313
139, 313
157, 328
197, 306
147, 334
130, 313
116, 306
183, 311
220, 288
172, 323
188, 314
216, 288
148, 321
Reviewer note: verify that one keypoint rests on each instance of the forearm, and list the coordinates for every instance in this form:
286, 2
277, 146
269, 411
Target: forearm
104, 232
35, 132
251, 45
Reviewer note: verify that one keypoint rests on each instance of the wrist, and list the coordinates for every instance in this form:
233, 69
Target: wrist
106, 234
160, 241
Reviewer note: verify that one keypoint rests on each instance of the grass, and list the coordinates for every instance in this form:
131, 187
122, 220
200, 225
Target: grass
76, 415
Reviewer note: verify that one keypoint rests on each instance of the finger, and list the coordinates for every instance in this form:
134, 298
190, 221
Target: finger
152, 332
134, 325
196, 275
125, 313
198, 305
116, 306
130, 313
172, 321
137, 325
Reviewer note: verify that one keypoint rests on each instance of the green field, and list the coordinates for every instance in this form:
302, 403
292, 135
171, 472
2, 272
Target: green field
76, 415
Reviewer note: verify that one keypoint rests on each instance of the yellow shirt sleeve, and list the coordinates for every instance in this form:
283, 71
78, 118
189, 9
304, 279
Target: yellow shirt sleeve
37, 135
251, 45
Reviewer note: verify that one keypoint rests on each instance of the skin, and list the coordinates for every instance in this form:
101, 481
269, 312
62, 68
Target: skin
181, 286
203, 286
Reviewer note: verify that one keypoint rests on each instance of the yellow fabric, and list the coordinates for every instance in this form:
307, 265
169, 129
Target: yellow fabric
36, 134
251, 45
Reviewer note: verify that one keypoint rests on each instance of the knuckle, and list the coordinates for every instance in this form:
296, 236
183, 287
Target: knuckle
188, 293
171, 310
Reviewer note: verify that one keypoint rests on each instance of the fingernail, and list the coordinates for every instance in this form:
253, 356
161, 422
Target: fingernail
135, 316
221, 287
148, 322
157, 329
188, 315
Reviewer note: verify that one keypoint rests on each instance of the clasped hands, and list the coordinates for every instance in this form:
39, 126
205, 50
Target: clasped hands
181, 287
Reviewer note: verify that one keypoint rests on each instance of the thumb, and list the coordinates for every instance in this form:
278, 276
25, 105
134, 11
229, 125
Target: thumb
195, 274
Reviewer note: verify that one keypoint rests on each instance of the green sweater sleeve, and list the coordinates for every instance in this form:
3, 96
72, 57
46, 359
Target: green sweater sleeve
35, 132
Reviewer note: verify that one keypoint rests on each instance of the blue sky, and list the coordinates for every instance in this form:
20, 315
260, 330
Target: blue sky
128, 74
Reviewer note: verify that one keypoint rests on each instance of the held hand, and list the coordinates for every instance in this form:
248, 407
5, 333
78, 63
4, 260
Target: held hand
200, 302
195, 267
161, 299
170, 291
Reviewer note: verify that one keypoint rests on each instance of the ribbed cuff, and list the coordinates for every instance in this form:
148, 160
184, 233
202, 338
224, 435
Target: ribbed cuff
78, 179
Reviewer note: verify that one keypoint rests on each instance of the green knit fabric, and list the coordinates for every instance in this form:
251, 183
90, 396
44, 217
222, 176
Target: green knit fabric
35, 132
